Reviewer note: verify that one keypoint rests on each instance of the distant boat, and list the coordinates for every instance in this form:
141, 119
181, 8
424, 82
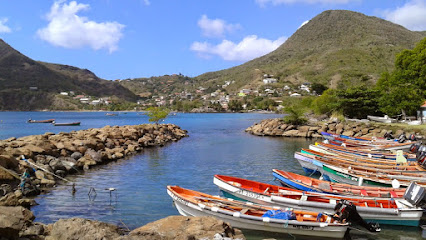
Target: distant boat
385, 119
67, 124
111, 114
41, 121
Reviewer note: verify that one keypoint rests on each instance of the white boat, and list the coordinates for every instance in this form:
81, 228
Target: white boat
384, 119
251, 216
378, 210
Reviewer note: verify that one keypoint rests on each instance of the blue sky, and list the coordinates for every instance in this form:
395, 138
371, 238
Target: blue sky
119, 39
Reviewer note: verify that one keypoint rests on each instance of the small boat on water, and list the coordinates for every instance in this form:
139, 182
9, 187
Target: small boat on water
41, 121
256, 217
306, 183
383, 155
378, 210
111, 114
358, 143
67, 124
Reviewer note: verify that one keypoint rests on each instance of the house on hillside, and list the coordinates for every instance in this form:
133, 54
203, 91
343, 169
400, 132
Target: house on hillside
84, 100
269, 80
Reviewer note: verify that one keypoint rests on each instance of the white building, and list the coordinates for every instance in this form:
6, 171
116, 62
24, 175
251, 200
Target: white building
269, 80
84, 100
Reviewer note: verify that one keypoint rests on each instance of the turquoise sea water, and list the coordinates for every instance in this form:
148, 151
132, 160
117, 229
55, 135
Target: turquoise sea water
217, 144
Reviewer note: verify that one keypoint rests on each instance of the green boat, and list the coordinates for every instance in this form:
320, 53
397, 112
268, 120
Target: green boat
337, 174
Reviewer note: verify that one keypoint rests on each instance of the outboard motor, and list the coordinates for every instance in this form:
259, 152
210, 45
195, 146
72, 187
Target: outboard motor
421, 159
415, 147
421, 150
415, 194
402, 138
412, 137
388, 135
346, 211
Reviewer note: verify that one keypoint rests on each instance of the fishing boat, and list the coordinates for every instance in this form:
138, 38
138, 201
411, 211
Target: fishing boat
383, 155
362, 143
41, 121
255, 217
369, 178
67, 124
306, 183
364, 164
378, 210
384, 119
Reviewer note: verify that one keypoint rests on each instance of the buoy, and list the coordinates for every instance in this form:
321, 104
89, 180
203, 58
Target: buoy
395, 183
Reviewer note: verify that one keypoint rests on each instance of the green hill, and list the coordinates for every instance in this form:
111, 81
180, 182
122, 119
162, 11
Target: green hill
337, 48
30, 85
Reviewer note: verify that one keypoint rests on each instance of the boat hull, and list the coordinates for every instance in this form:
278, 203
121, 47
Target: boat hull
402, 217
321, 230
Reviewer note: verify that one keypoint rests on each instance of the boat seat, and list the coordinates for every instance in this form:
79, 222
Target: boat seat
244, 210
364, 192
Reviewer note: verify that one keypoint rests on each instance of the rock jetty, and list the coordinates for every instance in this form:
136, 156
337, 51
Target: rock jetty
39, 161
17, 223
278, 128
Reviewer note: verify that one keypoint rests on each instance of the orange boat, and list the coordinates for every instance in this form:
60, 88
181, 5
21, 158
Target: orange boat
312, 184
379, 210
256, 217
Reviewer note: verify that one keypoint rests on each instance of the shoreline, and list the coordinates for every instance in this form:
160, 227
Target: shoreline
89, 148
277, 128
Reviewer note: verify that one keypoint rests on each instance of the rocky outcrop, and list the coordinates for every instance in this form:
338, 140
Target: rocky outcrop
278, 128
14, 220
17, 223
49, 157
180, 227
84, 229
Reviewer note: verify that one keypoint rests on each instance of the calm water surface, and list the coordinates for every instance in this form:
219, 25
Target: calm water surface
217, 144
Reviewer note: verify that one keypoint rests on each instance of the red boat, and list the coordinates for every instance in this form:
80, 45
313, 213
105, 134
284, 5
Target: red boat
41, 121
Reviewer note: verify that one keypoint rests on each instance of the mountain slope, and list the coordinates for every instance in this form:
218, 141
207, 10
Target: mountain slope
18, 73
337, 48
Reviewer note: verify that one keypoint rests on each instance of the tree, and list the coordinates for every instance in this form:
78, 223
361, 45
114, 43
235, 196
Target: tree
295, 115
157, 114
318, 88
358, 102
235, 105
326, 103
404, 89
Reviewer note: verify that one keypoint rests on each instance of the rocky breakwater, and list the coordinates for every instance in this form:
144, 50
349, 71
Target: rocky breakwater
17, 223
50, 157
278, 128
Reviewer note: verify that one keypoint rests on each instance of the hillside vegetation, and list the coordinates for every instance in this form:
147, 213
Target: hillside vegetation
19, 73
337, 48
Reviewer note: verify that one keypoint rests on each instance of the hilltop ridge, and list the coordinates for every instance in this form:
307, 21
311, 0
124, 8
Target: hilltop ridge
337, 48
19, 74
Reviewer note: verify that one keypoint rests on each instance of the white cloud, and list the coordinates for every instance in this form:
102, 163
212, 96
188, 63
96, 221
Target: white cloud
279, 2
67, 29
301, 25
412, 15
215, 27
146, 2
3, 27
249, 48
